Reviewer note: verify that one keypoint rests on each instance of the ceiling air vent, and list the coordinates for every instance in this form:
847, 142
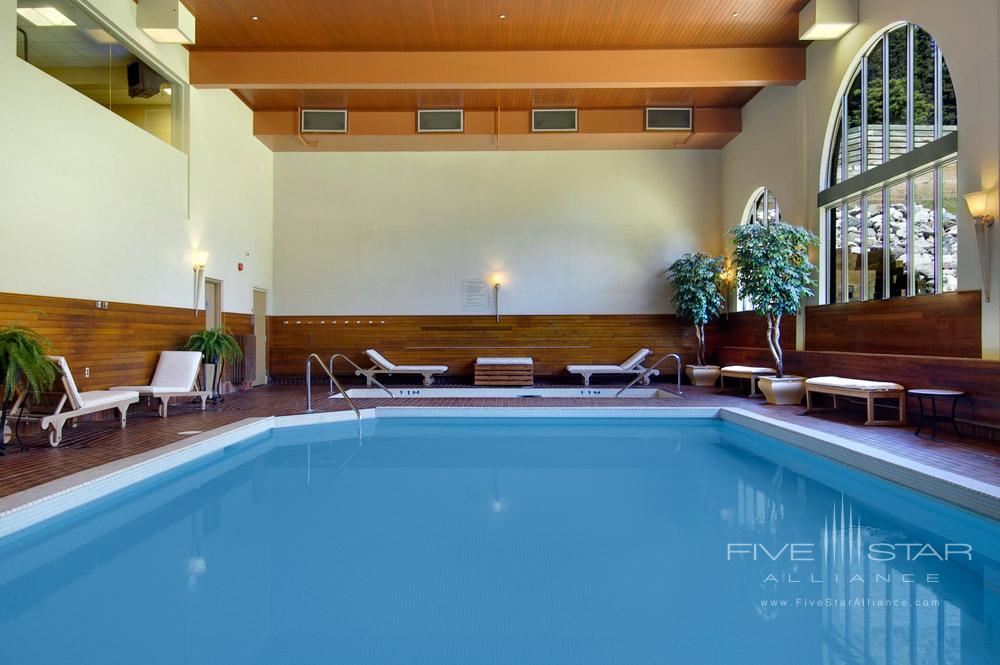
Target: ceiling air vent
440, 120
324, 120
553, 120
667, 119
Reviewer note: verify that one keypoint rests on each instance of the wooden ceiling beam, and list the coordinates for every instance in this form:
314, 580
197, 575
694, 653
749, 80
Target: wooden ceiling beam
669, 68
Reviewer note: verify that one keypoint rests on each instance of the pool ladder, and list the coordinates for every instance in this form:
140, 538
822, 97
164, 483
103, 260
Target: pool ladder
649, 371
333, 380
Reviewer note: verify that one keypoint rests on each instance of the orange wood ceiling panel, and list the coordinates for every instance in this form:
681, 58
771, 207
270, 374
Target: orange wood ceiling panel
475, 24
593, 98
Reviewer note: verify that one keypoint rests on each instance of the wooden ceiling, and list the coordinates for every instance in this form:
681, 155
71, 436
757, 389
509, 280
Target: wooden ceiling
713, 54
585, 98
475, 24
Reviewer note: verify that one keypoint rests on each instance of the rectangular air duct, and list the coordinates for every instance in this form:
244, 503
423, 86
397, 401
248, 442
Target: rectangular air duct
553, 120
329, 121
440, 120
660, 119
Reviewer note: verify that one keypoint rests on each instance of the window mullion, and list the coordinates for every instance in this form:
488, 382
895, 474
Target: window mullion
864, 114
886, 124
938, 214
886, 251
911, 273
863, 220
909, 87
938, 92
844, 253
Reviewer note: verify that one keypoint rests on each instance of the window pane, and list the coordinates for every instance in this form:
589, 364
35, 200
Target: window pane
949, 227
949, 107
854, 250
924, 252
874, 240
897, 240
854, 127
758, 210
81, 53
875, 105
897, 92
923, 88
836, 290
772, 207
836, 151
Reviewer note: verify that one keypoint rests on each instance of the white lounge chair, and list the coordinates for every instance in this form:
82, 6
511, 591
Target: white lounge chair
383, 366
175, 376
81, 404
631, 366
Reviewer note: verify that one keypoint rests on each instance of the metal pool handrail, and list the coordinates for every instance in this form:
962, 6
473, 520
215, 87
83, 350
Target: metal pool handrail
642, 376
358, 373
333, 381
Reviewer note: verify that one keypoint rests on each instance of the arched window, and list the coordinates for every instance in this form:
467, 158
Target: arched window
892, 156
762, 208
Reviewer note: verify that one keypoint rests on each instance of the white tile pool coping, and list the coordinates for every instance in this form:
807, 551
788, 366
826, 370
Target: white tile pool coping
29, 507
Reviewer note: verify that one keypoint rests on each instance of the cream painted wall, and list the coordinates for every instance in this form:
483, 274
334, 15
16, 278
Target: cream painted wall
96, 208
575, 232
785, 131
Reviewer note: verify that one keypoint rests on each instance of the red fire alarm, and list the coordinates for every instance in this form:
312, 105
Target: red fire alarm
239, 266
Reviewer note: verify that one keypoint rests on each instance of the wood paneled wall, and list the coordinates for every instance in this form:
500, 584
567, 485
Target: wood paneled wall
552, 341
746, 329
947, 324
979, 378
120, 345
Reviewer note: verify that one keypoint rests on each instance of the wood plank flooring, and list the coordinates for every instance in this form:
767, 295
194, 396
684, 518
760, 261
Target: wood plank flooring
99, 442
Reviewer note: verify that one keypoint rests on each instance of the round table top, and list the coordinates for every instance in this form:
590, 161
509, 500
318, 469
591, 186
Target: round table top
936, 392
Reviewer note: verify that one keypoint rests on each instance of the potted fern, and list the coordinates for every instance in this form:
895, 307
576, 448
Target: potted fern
217, 346
24, 364
774, 272
698, 300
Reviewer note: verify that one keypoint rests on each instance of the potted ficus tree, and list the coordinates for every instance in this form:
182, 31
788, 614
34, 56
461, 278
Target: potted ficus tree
698, 300
218, 347
774, 273
24, 365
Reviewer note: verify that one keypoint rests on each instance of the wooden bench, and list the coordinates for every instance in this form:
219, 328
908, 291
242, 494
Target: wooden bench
505, 372
866, 390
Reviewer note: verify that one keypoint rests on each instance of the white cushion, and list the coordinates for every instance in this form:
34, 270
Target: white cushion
636, 358
72, 391
177, 368
744, 369
93, 398
504, 361
597, 369
379, 359
854, 384
154, 390
418, 369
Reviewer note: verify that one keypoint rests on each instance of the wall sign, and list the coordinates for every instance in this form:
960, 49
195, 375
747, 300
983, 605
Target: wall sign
475, 296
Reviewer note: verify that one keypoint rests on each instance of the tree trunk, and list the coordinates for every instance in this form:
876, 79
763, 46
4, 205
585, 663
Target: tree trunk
3, 425
699, 332
777, 346
772, 344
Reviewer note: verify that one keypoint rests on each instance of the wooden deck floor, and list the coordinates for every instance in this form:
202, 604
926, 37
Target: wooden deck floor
99, 442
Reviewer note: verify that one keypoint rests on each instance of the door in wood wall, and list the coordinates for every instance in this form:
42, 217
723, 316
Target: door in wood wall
260, 332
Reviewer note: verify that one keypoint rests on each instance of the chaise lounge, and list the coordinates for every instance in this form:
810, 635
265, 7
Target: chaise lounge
867, 390
81, 404
384, 366
631, 366
175, 376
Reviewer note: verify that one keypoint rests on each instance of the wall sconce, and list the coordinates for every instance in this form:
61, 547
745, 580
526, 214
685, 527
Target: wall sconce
727, 280
978, 204
200, 261
497, 279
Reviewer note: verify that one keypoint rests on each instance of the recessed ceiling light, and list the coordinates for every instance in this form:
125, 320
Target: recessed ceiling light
45, 17
254, 18
503, 16
735, 14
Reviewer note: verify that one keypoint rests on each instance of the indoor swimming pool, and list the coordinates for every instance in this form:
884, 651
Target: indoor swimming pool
506, 540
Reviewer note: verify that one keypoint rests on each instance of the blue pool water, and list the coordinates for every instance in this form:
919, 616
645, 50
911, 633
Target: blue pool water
506, 541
